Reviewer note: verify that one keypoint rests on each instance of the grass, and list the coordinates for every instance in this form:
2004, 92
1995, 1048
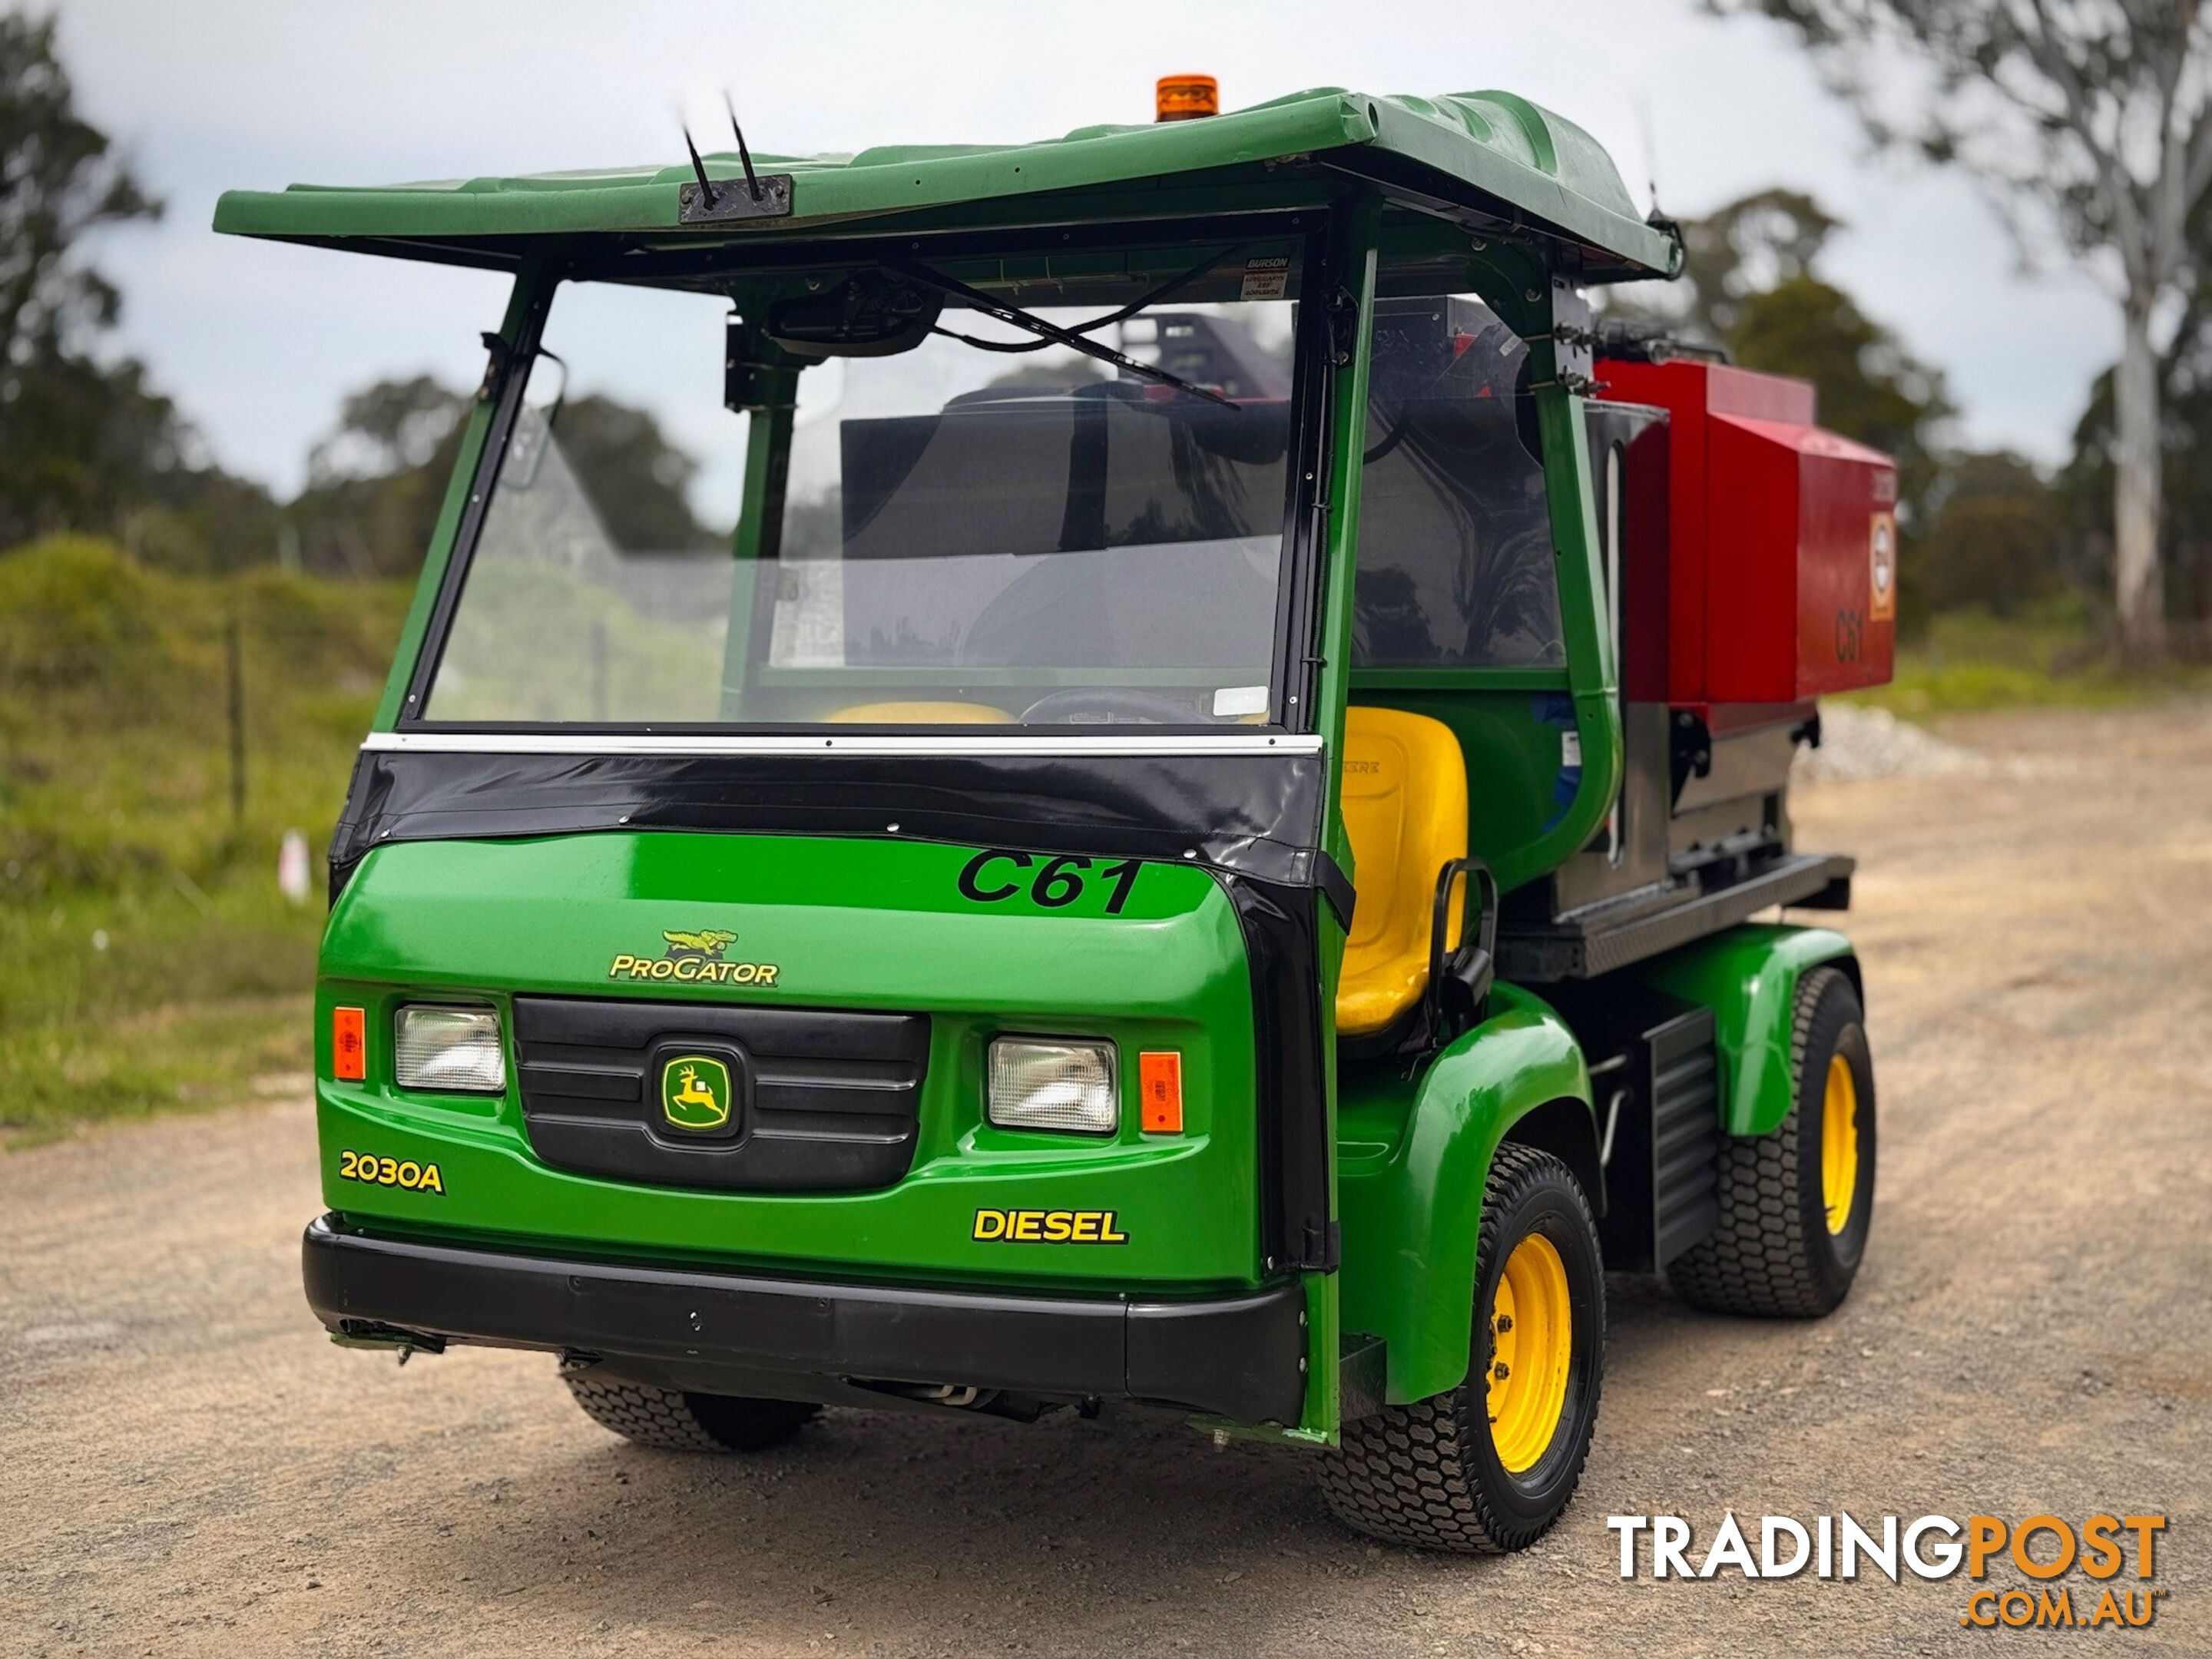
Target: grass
147, 960
2057, 656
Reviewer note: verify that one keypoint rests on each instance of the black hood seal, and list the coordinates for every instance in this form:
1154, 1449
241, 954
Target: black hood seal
1250, 815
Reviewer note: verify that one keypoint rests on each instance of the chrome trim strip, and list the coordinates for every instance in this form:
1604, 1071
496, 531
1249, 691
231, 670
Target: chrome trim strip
611, 743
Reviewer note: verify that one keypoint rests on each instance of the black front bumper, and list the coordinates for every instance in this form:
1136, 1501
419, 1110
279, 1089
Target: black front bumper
1240, 1357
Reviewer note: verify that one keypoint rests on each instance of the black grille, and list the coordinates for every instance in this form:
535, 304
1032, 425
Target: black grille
825, 1101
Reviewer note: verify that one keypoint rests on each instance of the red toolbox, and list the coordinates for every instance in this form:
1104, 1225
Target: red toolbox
1782, 542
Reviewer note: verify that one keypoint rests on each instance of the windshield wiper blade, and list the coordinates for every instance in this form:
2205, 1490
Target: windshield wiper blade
1172, 285
1015, 317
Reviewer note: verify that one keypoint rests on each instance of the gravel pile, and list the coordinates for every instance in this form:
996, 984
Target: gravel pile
1873, 743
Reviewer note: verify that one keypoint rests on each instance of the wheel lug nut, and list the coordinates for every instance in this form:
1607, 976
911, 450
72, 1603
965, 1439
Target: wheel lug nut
1504, 1323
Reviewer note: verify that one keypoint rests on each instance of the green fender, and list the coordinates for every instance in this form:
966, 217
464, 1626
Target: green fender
1748, 977
1412, 1155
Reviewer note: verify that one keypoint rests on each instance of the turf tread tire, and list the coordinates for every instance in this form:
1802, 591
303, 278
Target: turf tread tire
1765, 1259
667, 1419
1409, 1473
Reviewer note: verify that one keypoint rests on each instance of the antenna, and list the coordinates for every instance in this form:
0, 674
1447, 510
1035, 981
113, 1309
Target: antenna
699, 167
1650, 145
745, 155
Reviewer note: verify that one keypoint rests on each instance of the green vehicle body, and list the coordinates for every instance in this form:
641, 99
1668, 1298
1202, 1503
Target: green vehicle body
551, 915
851, 921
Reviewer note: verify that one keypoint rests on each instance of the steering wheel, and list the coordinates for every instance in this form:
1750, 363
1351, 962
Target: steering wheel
1109, 706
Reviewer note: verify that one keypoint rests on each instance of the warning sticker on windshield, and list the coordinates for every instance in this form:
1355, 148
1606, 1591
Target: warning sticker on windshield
1265, 279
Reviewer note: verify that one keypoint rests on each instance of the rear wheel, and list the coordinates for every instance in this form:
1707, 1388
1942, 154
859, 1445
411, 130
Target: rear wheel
1795, 1204
1488, 1466
670, 1420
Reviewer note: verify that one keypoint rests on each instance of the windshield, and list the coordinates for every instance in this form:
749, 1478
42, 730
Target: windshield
982, 525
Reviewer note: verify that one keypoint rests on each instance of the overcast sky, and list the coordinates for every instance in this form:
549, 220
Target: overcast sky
258, 342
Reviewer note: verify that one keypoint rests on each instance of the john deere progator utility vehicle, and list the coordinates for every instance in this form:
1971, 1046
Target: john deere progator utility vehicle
1189, 836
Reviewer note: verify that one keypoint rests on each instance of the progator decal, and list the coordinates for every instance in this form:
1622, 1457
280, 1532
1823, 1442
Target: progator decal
694, 960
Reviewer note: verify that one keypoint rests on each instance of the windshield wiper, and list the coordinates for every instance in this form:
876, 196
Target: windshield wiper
1017, 318
1173, 285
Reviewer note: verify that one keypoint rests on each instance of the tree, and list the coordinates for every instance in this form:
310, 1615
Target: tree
377, 481
82, 437
1754, 244
635, 477
2186, 523
390, 427
2092, 117
1996, 539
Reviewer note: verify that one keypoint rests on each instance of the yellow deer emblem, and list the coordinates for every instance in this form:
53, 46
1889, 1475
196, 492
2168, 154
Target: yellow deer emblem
694, 1092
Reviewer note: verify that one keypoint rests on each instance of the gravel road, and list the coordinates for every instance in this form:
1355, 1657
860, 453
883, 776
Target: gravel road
187, 1468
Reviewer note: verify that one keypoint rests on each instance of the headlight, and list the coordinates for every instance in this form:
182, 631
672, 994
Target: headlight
450, 1051
1054, 1085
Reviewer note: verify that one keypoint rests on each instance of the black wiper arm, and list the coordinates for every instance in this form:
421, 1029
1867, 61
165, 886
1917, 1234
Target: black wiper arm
1174, 284
1017, 318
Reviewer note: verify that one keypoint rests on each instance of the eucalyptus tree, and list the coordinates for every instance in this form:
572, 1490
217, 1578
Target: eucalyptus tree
2090, 121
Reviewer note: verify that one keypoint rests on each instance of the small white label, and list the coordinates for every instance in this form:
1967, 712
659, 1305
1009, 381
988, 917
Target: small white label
1231, 701
1570, 749
1264, 279
1881, 567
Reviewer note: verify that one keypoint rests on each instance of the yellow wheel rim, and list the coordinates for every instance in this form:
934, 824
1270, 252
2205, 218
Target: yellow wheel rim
1532, 1333
1839, 1143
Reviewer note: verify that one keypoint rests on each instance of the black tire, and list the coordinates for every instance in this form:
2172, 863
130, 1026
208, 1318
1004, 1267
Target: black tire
1772, 1254
669, 1421
1429, 1474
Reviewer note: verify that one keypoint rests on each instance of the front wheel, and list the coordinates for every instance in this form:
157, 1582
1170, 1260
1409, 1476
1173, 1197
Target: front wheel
1489, 1466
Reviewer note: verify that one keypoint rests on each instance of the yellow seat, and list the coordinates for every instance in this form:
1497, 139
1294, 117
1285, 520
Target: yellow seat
921, 714
1405, 808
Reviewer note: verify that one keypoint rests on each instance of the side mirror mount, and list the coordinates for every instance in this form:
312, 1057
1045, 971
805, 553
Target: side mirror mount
758, 373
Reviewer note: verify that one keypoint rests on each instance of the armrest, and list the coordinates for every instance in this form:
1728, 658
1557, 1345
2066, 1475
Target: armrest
1459, 981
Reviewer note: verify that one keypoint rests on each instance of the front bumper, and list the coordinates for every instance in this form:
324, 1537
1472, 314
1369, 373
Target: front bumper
1240, 1357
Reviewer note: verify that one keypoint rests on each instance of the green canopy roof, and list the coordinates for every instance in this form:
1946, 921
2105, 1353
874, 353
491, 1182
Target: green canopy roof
1487, 156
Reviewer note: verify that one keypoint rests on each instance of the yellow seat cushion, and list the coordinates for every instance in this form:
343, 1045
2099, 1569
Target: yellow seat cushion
1405, 807
921, 714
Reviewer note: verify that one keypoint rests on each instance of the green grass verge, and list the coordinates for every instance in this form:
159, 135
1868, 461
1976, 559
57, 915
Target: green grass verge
147, 960
1968, 661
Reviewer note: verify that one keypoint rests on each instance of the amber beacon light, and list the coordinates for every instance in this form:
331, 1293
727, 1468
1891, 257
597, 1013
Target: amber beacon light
1184, 97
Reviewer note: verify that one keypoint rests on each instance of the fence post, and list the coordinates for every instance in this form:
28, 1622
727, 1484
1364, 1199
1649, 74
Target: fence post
235, 675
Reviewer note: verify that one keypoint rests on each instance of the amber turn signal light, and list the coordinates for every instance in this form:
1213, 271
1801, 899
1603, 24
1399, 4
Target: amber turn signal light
349, 1044
1182, 97
1159, 1085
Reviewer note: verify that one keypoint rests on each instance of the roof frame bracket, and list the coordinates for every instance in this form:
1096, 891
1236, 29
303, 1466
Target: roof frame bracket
734, 202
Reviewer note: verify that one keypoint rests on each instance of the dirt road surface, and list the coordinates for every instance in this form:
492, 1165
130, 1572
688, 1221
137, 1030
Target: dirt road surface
187, 1468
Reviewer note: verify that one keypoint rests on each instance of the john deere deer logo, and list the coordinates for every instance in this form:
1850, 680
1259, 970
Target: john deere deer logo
694, 1092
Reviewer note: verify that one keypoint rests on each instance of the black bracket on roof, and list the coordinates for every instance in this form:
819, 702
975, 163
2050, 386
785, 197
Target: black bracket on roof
733, 202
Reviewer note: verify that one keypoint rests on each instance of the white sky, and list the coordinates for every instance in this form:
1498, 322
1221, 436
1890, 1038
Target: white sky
258, 342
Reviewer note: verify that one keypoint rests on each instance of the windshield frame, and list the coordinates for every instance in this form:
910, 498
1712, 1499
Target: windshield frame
1290, 713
